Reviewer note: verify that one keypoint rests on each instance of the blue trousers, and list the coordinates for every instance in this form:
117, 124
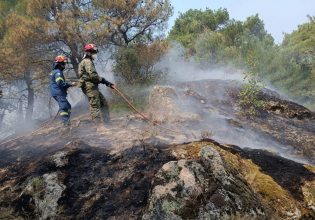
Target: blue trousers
64, 108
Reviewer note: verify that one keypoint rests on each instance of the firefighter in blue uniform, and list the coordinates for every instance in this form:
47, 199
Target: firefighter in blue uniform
58, 89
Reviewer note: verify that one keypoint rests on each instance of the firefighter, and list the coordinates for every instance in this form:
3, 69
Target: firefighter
58, 89
90, 80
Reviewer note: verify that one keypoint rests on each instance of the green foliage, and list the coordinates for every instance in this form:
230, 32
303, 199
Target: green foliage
255, 26
214, 39
209, 47
33, 32
38, 185
194, 22
298, 56
248, 97
135, 64
288, 67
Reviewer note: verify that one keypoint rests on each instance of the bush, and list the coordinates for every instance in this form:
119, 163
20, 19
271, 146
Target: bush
135, 64
248, 97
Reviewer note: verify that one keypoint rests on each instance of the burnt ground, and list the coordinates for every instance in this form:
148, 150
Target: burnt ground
116, 186
110, 170
101, 185
287, 173
98, 185
279, 124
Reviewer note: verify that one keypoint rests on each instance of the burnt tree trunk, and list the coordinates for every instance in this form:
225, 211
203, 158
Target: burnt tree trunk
2, 113
75, 59
30, 97
19, 125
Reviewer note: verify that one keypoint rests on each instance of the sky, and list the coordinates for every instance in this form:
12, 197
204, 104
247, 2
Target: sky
279, 16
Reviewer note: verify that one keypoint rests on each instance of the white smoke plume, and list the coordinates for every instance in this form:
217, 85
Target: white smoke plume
181, 70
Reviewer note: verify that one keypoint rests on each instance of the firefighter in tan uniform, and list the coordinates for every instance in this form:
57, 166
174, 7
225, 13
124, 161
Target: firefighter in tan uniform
89, 83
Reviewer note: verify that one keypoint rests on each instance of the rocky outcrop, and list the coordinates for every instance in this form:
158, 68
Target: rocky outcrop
274, 104
213, 105
197, 180
42, 191
165, 106
202, 189
131, 170
273, 179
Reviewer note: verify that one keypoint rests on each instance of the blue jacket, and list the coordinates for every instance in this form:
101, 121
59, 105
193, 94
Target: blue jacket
58, 86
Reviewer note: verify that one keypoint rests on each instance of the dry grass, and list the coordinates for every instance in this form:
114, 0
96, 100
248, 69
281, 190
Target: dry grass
310, 167
8, 214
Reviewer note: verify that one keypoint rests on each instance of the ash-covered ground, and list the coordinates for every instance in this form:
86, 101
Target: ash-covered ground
219, 164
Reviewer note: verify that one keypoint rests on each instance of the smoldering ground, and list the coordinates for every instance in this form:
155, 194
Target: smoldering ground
215, 104
14, 119
210, 98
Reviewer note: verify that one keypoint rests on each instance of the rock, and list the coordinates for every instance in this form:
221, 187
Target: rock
203, 189
47, 205
212, 160
42, 195
164, 106
124, 171
60, 158
287, 109
308, 190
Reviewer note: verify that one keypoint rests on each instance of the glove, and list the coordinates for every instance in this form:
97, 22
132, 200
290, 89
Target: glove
107, 83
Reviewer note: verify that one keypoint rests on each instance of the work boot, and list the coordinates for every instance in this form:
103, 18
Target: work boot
107, 122
67, 125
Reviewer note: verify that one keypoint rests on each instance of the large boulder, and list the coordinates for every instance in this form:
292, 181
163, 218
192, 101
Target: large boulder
202, 189
164, 106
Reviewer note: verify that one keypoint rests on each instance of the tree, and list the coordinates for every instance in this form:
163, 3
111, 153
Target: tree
35, 31
135, 65
132, 21
72, 23
298, 56
209, 47
194, 22
255, 27
25, 55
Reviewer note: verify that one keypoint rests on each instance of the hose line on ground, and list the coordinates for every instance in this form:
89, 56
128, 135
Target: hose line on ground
44, 124
140, 113
125, 99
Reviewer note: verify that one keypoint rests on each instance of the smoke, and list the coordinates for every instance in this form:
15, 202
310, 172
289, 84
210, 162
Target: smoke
212, 84
180, 69
45, 106
14, 108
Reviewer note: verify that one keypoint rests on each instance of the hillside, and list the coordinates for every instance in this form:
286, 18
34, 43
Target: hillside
216, 164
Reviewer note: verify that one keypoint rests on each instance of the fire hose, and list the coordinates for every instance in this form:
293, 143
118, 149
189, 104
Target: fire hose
121, 95
140, 113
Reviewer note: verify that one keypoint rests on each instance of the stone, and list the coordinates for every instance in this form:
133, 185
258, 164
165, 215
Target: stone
165, 107
60, 158
202, 189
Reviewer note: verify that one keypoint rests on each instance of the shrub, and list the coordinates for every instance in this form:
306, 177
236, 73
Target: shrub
135, 64
248, 96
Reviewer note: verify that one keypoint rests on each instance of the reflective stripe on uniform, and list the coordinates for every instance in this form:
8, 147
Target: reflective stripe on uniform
59, 78
64, 113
